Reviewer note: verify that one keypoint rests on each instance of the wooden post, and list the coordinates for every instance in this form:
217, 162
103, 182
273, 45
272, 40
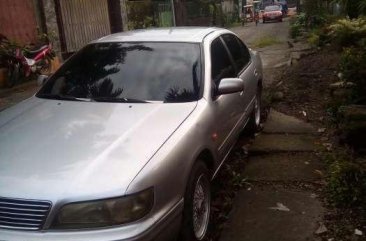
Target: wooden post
115, 16
124, 15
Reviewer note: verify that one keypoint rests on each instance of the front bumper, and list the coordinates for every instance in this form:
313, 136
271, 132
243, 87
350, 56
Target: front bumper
274, 18
158, 229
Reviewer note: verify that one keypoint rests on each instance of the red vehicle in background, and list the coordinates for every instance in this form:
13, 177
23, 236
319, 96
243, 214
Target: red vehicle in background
272, 13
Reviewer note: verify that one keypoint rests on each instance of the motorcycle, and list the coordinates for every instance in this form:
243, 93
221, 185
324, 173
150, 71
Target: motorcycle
26, 62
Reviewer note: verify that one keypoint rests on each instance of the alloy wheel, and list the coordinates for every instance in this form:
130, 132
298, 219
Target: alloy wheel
201, 207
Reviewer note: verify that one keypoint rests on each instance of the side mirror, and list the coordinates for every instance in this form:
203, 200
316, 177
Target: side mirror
41, 80
229, 86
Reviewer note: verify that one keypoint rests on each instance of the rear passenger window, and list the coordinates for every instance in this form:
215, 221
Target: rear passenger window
238, 50
221, 65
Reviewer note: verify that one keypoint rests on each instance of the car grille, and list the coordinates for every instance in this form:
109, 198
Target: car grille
23, 214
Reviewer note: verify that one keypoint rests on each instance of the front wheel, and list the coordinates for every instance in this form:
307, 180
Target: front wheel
197, 201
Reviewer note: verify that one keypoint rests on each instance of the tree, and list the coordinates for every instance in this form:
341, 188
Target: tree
353, 8
363, 6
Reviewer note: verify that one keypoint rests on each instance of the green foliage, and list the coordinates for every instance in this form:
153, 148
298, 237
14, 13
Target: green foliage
314, 38
295, 31
296, 25
7, 51
301, 19
231, 19
140, 14
346, 182
353, 68
362, 6
313, 7
353, 8
347, 32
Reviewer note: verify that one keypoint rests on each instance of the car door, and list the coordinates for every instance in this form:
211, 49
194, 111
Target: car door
245, 69
226, 107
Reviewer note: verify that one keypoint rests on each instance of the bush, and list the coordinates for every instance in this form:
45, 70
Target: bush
314, 38
295, 31
140, 14
353, 68
297, 24
346, 183
347, 32
7, 51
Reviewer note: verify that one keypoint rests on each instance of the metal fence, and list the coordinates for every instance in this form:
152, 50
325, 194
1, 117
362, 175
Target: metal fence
83, 21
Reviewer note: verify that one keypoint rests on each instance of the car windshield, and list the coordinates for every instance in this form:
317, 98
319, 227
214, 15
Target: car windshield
129, 72
272, 8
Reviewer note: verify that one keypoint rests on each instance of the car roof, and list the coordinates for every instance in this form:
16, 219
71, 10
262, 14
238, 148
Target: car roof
174, 34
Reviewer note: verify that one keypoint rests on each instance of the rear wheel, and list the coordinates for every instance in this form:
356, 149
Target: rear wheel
46, 67
197, 201
254, 123
13, 75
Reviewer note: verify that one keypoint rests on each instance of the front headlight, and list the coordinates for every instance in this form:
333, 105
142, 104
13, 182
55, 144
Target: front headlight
103, 213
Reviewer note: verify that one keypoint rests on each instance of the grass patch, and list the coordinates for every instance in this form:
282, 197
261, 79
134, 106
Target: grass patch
265, 41
234, 24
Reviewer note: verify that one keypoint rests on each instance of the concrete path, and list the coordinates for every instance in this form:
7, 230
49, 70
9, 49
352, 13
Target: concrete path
275, 207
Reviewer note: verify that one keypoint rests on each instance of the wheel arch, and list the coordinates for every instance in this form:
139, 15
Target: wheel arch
207, 158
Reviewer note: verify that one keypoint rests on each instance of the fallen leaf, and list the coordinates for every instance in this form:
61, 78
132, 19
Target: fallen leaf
358, 232
318, 172
280, 207
321, 130
321, 229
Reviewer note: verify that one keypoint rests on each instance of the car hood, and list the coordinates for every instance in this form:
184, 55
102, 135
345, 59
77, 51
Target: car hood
52, 150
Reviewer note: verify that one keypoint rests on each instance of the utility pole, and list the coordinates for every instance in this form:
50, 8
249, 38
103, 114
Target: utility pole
173, 12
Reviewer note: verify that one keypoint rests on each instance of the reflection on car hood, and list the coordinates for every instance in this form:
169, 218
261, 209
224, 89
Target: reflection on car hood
52, 149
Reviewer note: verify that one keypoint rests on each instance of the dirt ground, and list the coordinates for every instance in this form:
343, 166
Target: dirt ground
305, 86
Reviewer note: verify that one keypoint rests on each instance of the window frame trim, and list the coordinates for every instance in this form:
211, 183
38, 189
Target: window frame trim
239, 72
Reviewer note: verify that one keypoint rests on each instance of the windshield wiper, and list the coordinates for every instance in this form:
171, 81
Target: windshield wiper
62, 97
118, 100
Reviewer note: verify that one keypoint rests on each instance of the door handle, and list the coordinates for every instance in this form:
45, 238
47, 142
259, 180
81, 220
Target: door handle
255, 73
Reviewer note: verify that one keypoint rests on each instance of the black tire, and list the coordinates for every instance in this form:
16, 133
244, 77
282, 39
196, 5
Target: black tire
13, 75
199, 173
46, 67
253, 125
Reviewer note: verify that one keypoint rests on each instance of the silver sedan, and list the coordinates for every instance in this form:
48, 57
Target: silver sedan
122, 142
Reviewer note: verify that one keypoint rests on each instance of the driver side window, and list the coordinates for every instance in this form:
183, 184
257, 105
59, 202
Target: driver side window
221, 65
